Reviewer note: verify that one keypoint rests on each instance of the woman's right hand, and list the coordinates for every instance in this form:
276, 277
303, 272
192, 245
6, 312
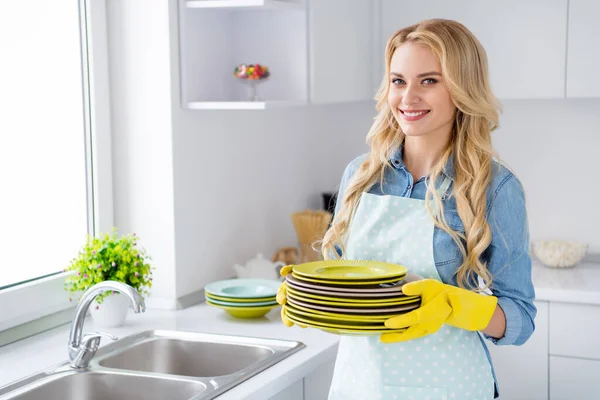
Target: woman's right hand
282, 291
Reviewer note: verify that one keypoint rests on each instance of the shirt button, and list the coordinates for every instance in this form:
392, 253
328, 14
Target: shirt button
409, 187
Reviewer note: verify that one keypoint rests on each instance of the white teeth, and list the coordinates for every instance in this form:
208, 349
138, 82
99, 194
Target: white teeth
414, 114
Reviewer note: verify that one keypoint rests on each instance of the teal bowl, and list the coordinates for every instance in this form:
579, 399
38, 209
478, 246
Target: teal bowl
243, 288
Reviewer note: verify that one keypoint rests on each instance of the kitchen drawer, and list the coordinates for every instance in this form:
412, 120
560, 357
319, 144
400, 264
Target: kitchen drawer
574, 330
574, 379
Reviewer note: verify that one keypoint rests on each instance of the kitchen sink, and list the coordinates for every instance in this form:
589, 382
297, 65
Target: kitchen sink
188, 358
109, 386
158, 365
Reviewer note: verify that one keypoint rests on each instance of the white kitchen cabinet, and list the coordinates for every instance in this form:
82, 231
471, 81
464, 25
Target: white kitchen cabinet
583, 55
292, 392
574, 379
317, 383
570, 328
316, 51
525, 41
522, 371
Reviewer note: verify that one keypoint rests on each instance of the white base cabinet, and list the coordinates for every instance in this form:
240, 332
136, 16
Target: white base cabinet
574, 379
522, 371
314, 386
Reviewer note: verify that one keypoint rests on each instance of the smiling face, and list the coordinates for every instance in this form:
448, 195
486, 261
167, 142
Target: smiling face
417, 96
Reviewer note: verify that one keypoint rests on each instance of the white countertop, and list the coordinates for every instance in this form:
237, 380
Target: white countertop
580, 284
34, 354
29, 356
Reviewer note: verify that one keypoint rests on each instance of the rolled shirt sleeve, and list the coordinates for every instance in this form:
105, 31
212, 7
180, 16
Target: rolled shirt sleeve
509, 262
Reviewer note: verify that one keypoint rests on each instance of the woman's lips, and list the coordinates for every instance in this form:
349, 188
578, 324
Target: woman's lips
413, 115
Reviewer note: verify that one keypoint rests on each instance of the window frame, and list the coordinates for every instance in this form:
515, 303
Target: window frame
46, 296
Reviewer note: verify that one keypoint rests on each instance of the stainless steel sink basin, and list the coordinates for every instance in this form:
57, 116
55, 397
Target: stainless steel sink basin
108, 386
187, 358
158, 365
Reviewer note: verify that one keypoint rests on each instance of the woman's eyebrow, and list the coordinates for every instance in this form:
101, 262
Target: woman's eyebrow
418, 76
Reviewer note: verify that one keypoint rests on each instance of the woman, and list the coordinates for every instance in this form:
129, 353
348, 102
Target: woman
430, 196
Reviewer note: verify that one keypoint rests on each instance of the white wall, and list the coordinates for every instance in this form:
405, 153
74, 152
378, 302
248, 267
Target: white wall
140, 74
208, 189
553, 146
240, 174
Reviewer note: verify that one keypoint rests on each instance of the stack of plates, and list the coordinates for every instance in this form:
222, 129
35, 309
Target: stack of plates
243, 298
348, 297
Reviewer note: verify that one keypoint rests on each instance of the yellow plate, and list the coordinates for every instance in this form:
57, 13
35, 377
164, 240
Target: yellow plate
339, 318
295, 296
245, 312
345, 283
239, 300
354, 332
325, 324
393, 310
349, 270
347, 317
390, 299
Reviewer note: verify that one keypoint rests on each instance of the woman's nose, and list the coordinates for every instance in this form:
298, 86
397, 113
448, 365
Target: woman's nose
411, 96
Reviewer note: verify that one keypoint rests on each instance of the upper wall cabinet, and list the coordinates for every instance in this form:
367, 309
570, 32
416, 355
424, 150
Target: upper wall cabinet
525, 41
316, 51
583, 56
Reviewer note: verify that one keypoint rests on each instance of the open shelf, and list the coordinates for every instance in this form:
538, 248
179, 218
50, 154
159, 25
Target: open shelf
214, 40
241, 105
262, 4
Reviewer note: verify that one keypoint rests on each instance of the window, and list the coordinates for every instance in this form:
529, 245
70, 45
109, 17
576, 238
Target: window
54, 148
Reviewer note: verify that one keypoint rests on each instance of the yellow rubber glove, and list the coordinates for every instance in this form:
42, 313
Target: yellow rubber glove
286, 321
282, 291
440, 304
282, 295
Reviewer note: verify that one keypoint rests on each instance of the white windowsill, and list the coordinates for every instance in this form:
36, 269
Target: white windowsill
33, 300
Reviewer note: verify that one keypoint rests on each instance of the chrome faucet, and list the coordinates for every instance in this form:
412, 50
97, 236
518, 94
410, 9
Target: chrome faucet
82, 349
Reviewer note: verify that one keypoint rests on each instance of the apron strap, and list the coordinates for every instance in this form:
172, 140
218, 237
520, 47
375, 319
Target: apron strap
444, 186
441, 191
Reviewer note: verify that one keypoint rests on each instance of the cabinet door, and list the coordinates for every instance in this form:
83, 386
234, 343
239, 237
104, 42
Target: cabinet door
317, 383
573, 378
583, 61
292, 392
522, 371
525, 41
340, 50
570, 330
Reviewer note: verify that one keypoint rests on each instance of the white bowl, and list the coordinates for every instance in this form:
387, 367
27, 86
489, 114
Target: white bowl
559, 253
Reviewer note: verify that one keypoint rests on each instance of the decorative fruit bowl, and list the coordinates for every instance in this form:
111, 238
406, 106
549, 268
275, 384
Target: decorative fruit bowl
559, 253
251, 74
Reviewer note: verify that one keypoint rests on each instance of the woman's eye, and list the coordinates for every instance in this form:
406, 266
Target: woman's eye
429, 81
397, 81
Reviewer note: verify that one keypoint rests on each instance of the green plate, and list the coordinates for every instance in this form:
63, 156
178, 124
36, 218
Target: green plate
295, 296
339, 318
343, 331
245, 312
346, 317
346, 283
342, 299
349, 270
242, 305
239, 299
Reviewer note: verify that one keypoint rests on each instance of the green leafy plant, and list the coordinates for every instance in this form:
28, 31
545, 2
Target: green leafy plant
110, 257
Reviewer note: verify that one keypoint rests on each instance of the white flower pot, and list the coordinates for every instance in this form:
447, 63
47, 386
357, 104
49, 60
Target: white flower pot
112, 312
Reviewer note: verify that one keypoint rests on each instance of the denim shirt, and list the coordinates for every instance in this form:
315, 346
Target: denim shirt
507, 257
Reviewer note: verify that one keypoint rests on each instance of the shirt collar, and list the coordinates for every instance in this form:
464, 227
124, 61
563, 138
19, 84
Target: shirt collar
396, 161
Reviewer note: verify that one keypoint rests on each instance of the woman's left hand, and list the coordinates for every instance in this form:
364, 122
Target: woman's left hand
440, 304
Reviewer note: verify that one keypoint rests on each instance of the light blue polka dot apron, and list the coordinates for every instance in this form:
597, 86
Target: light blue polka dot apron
449, 364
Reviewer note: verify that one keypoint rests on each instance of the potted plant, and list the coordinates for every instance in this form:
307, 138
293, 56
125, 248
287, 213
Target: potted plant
110, 257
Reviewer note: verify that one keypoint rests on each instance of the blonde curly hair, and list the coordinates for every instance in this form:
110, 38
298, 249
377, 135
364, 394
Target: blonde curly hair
465, 70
